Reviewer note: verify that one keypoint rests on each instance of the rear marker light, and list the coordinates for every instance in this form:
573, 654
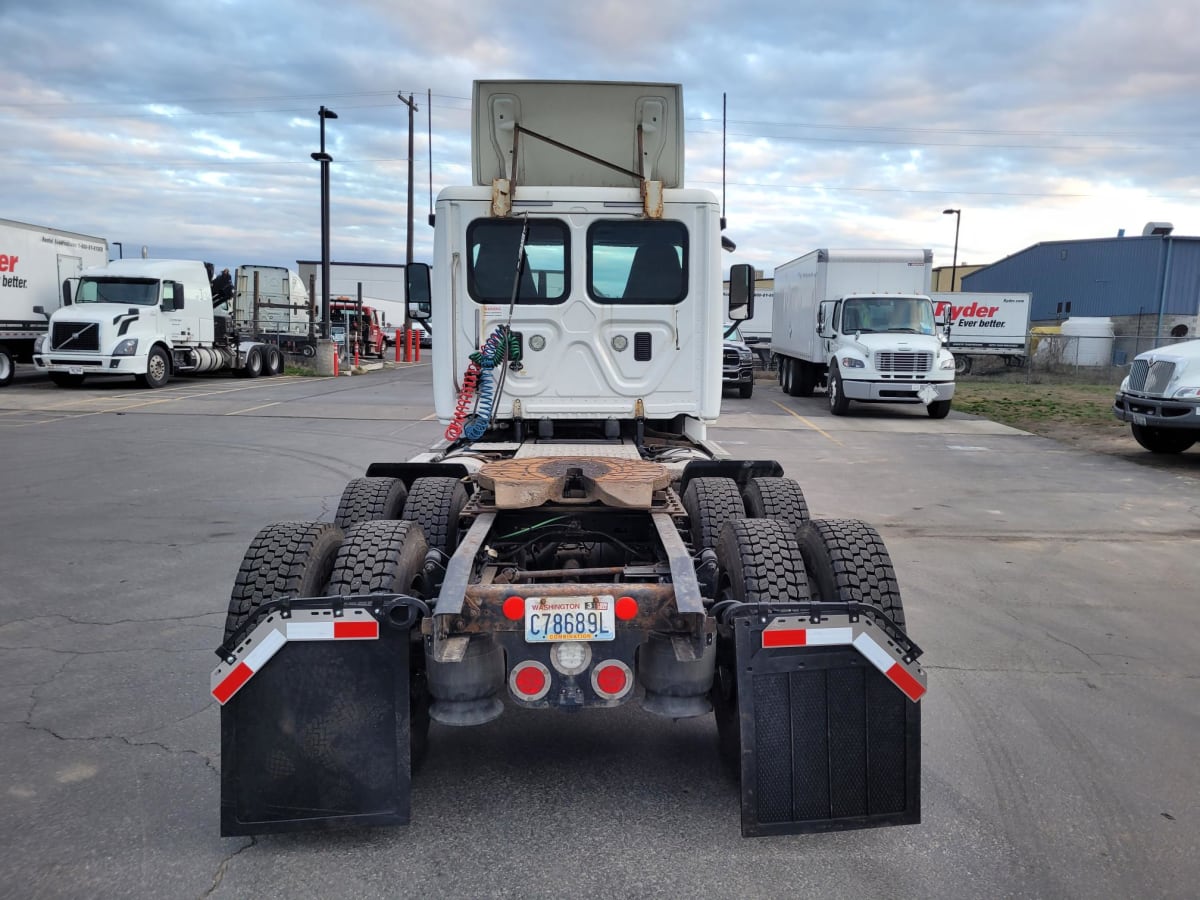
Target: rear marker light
514, 608
626, 608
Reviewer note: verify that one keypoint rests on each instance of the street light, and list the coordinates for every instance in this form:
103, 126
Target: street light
324, 159
954, 264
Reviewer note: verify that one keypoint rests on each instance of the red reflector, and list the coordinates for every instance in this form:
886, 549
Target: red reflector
366, 628
784, 637
227, 688
626, 608
530, 680
514, 608
611, 679
912, 688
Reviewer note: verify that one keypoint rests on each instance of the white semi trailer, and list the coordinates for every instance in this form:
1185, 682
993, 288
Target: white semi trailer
860, 322
575, 540
38, 267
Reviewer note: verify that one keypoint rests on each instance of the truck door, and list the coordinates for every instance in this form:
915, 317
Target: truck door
69, 268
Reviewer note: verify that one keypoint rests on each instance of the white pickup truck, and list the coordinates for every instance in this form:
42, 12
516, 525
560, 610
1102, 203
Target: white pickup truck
1160, 398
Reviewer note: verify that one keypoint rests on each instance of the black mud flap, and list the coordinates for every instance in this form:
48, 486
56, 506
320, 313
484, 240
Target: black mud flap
828, 742
318, 734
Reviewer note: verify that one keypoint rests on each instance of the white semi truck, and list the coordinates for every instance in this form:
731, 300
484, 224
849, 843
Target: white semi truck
575, 540
860, 322
272, 304
149, 318
38, 268
1160, 398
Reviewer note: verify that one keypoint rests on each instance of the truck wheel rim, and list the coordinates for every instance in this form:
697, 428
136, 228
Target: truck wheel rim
158, 368
5, 367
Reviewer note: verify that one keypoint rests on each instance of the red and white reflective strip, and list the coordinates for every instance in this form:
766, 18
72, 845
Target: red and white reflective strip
274, 631
862, 635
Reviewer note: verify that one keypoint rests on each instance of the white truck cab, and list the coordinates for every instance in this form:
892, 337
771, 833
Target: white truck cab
1160, 398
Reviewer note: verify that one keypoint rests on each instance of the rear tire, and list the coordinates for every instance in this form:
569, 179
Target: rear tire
369, 499
435, 503
776, 498
847, 561
759, 562
287, 559
8, 368
254, 363
962, 365
274, 361
745, 391
938, 409
710, 503
1162, 440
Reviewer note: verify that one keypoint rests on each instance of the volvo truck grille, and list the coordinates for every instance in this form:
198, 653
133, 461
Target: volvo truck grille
75, 336
904, 362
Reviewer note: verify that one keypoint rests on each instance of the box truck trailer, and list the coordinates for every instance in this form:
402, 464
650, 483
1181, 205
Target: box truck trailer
38, 267
861, 323
982, 325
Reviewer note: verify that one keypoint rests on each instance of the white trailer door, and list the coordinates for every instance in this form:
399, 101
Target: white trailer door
69, 268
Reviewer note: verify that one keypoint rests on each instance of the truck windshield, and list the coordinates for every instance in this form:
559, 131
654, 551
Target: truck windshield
125, 291
492, 265
637, 262
907, 315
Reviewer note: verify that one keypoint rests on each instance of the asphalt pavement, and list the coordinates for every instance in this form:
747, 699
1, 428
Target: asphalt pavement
1052, 590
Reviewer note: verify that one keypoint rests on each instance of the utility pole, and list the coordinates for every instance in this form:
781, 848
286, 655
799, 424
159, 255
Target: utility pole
408, 256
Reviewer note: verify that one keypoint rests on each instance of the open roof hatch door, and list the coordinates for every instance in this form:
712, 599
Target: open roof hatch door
632, 128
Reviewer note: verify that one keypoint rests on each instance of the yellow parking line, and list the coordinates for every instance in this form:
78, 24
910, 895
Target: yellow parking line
807, 422
430, 417
238, 412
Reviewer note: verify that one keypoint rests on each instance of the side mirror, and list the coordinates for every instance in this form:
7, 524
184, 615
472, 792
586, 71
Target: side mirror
178, 295
66, 293
41, 311
417, 294
741, 293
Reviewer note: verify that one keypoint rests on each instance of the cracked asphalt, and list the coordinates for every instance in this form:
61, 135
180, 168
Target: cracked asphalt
1053, 591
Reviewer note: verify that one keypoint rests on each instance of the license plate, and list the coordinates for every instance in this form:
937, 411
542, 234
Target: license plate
1139, 419
75, 370
550, 619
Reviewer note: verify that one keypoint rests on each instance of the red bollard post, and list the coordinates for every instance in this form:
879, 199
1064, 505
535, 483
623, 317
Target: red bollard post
336, 354
356, 354
417, 346
398, 345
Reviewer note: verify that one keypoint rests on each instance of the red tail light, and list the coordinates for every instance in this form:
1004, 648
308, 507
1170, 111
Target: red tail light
612, 679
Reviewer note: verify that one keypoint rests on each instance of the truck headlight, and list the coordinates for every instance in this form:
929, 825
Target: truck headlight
39, 345
946, 363
127, 347
1187, 393
1124, 384
850, 362
746, 355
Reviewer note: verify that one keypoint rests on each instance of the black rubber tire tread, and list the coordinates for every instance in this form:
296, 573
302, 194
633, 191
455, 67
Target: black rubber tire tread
938, 409
254, 364
275, 362
746, 390
776, 498
434, 503
1161, 440
710, 503
287, 559
847, 561
368, 499
379, 557
759, 561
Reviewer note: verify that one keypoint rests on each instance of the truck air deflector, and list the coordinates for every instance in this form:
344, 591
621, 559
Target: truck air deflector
317, 734
828, 741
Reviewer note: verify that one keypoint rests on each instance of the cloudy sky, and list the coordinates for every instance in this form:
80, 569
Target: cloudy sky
186, 127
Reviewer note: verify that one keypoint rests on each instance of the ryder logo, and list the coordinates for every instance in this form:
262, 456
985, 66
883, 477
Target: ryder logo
9, 264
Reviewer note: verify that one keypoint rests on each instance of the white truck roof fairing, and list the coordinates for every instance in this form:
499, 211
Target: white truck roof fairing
190, 272
607, 119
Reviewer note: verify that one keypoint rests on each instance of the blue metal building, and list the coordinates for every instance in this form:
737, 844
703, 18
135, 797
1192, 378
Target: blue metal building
1154, 277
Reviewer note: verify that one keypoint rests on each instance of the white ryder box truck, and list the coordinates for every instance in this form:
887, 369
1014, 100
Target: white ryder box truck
149, 318
994, 324
861, 323
36, 265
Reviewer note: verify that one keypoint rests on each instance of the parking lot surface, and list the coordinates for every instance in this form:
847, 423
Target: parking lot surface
1052, 590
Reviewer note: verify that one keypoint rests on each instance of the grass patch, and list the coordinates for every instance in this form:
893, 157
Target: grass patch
299, 370
1028, 406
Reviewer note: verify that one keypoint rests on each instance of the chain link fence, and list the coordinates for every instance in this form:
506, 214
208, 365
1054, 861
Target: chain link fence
1049, 357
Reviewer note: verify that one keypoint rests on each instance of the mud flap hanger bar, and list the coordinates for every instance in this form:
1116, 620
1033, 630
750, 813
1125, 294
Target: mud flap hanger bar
865, 628
307, 619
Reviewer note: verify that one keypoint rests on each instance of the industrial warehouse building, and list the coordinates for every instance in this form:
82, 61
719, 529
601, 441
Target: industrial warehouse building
1149, 286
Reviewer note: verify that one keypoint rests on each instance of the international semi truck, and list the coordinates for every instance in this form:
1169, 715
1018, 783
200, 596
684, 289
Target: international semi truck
39, 267
151, 319
861, 324
574, 539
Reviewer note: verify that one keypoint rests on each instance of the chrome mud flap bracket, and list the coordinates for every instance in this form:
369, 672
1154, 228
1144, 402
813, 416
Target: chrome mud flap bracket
315, 716
829, 718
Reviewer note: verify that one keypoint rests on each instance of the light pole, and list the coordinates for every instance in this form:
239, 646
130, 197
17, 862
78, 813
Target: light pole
954, 264
408, 254
324, 159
